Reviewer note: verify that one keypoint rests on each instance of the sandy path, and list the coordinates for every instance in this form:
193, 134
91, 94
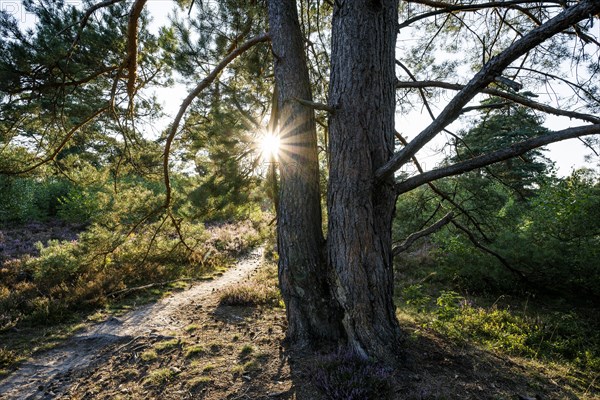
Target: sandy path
48, 375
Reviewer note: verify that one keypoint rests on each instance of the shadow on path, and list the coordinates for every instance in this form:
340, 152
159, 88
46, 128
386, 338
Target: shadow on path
51, 373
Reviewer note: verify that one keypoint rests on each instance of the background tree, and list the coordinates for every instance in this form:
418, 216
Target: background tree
502, 128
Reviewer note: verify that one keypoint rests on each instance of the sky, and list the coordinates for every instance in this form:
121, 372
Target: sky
568, 154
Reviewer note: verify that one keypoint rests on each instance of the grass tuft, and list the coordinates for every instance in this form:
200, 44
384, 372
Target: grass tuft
246, 350
199, 382
194, 351
192, 327
149, 355
208, 368
250, 294
159, 377
168, 344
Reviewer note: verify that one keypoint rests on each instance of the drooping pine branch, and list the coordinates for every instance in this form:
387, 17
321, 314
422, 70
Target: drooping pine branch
445, 196
520, 274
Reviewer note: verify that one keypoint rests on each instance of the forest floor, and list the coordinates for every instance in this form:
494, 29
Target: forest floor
189, 345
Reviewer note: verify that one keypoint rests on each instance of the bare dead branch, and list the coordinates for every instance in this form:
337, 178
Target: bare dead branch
486, 75
574, 86
445, 8
413, 237
500, 155
526, 101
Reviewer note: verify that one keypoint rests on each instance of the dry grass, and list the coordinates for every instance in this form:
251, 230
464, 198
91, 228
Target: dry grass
262, 290
159, 377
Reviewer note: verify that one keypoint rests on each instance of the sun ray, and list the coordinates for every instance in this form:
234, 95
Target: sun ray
269, 146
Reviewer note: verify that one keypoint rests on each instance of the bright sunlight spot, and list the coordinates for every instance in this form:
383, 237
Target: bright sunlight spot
269, 146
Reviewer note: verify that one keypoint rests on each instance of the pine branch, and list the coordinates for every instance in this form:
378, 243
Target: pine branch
485, 76
413, 237
500, 155
190, 98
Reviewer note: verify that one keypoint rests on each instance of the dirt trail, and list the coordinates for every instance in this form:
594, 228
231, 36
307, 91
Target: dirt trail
49, 374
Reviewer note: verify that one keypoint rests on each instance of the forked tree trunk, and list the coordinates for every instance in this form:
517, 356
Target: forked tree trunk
361, 137
313, 315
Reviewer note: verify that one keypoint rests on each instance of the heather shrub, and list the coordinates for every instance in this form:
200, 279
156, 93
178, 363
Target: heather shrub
109, 258
346, 376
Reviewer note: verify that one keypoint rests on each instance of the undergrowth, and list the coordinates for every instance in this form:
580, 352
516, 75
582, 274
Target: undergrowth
94, 270
104, 268
345, 375
536, 328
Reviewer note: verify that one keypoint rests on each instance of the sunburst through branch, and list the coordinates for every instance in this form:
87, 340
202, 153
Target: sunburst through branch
269, 146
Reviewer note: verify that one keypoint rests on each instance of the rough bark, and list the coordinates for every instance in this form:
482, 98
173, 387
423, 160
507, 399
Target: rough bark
132, 45
361, 141
312, 314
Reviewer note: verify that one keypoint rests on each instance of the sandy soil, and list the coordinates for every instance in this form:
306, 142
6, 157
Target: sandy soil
51, 374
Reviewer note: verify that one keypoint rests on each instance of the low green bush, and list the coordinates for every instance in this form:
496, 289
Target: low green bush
556, 336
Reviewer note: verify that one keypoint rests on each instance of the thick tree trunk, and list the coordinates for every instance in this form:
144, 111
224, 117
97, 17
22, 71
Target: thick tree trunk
312, 314
361, 137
